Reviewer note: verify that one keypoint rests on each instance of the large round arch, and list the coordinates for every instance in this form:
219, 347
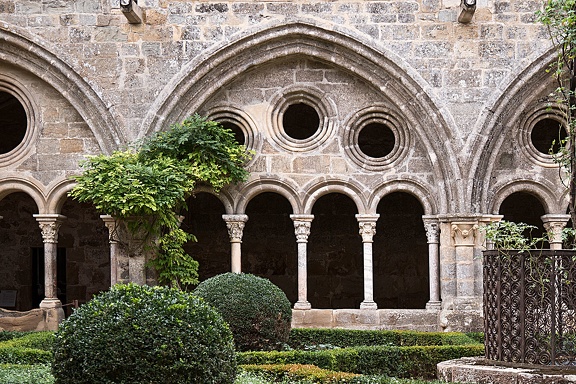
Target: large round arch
199, 80
25, 51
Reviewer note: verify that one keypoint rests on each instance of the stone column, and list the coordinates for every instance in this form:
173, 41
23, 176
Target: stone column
486, 220
433, 235
302, 224
367, 224
50, 225
235, 224
464, 234
110, 223
554, 224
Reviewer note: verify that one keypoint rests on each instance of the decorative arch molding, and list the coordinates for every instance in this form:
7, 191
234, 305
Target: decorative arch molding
543, 192
318, 188
284, 187
224, 196
202, 78
500, 112
33, 188
58, 194
421, 192
25, 51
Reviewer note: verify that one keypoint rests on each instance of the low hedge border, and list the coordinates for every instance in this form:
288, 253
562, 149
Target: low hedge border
280, 372
27, 348
303, 338
411, 361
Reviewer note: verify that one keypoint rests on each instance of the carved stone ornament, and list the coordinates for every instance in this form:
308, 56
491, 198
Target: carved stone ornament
464, 233
235, 225
50, 231
432, 232
367, 230
302, 230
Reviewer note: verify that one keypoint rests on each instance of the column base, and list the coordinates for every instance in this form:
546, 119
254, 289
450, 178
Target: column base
434, 305
53, 312
302, 305
368, 305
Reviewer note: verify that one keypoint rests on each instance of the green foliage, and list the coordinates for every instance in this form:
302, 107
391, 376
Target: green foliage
559, 16
211, 151
27, 348
319, 338
412, 361
25, 374
507, 235
144, 189
258, 312
139, 334
300, 372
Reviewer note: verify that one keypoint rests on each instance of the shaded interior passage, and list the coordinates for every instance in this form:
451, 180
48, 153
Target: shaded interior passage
522, 207
335, 270
400, 249
269, 244
19, 235
204, 220
83, 244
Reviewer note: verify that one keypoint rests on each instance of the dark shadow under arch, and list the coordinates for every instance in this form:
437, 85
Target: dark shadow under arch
203, 219
335, 258
269, 243
400, 253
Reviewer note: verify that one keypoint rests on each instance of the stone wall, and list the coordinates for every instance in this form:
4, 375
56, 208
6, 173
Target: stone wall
458, 101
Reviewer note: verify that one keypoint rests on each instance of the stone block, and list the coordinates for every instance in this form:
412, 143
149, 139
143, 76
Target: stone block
315, 318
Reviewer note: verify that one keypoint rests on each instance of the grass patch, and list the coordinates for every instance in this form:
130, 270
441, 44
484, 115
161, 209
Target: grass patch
25, 374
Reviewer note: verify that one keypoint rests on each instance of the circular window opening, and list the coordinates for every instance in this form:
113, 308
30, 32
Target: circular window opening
236, 130
547, 134
300, 121
376, 140
13, 122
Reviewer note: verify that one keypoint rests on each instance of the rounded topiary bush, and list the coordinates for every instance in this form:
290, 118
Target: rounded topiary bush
258, 312
140, 334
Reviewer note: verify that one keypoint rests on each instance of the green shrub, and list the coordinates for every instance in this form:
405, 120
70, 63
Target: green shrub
25, 374
298, 372
27, 348
318, 338
258, 312
9, 335
36, 340
412, 361
140, 334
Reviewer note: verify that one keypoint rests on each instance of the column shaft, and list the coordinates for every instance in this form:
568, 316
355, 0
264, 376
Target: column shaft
235, 225
367, 224
302, 224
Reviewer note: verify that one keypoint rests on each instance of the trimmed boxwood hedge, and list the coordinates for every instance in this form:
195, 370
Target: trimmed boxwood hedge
27, 348
258, 312
411, 361
298, 372
308, 338
135, 334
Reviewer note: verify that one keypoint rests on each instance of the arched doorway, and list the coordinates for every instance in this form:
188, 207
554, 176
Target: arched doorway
269, 244
400, 249
523, 207
20, 236
203, 219
335, 261
83, 255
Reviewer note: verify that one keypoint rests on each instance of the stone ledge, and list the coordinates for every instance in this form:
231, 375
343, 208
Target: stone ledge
389, 319
39, 319
479, 370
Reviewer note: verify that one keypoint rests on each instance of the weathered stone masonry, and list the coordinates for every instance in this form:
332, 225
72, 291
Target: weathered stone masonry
386, 134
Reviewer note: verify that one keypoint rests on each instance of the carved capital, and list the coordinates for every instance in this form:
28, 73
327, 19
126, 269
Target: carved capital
50, 225
367, 224
432, 231
235, 225
554, 224
464, 233
111, 224
302, 225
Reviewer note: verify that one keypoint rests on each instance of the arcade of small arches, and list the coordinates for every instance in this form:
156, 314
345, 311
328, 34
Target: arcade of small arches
330, 256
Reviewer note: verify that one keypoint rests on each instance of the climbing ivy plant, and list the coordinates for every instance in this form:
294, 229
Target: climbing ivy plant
146, 187
559, 16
